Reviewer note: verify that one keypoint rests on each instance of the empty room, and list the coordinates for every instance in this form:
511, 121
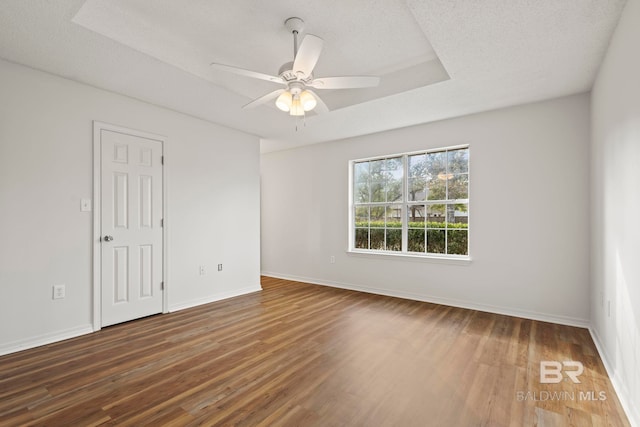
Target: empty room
322, 213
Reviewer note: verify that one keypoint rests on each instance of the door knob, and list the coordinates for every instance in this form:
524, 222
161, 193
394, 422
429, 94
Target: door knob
108, 238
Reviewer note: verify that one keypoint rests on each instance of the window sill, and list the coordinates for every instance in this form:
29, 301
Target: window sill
444, 259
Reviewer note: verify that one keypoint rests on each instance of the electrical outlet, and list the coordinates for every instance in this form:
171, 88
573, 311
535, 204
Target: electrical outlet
332, 259
203, 270
219, 267
59, 291
85, 205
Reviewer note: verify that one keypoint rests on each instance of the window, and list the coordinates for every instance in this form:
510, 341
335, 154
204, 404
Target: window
414, 203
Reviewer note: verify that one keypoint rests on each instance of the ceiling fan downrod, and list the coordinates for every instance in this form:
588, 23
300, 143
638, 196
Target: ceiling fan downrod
295, 25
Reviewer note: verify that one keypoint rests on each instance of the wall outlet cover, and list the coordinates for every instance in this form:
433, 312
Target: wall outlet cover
85, 205
59, 291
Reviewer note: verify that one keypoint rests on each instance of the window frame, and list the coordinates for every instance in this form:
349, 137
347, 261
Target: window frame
406, 204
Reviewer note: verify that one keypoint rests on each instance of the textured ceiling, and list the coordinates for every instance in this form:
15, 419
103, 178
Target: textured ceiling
253, 36
495, 53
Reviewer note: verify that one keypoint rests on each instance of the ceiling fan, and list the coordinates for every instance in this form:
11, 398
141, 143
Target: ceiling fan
297, 76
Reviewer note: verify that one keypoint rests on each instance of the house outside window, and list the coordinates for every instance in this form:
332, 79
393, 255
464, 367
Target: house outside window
412, 203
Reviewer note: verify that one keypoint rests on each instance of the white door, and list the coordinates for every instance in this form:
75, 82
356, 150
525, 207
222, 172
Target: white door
131, 233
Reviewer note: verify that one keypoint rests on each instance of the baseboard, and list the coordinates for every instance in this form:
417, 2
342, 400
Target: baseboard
25, 344
632, 411
544, 317
213, 298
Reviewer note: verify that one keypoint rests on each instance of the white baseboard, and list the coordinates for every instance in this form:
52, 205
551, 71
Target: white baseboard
508, 311
632, 411
214, 298
37, 341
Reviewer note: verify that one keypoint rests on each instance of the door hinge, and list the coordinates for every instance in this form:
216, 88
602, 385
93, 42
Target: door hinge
162, 160
161, 222
162, 286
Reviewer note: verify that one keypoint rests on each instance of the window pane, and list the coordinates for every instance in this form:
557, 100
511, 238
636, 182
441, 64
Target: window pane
451, 214
436, 188
415, 240
416, 189
417, 177
393, 188
362, 217
458, 215
394, 217
361, 172
459, 187
457, 242
459, 160
394, 166
377, 216
416, 216
361, 192
361, 240
435, 216
417, 166
436, 241
377, 191
436, 164
377, 239
393, 179
394, 239
375, 169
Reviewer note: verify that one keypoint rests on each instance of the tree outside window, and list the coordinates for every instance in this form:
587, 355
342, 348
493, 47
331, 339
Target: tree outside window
414, 203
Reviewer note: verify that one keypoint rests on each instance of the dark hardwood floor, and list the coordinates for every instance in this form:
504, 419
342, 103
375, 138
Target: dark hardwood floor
303, 355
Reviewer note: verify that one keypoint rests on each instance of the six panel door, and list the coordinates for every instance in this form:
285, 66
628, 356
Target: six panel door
131, 234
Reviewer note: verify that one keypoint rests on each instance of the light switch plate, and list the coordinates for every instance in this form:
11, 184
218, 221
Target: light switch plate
85, 205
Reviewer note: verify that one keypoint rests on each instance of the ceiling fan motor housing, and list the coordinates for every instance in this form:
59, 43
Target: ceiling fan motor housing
288, 75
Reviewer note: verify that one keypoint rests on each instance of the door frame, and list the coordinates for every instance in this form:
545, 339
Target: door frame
98, 127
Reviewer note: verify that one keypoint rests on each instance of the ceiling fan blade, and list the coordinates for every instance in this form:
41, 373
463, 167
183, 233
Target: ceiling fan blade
321, 107
307, 55
347, 82
264, 99
247, 73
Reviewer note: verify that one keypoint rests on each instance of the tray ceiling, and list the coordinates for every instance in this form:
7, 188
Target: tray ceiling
437, 58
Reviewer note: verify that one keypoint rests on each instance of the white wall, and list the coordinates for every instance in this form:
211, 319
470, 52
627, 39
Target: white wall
616, 209
529, 239
46, 168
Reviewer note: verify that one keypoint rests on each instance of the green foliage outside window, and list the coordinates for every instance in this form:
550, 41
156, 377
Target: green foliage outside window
435, 238
436, 202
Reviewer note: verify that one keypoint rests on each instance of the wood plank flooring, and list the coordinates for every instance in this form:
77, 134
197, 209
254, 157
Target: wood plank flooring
303, 355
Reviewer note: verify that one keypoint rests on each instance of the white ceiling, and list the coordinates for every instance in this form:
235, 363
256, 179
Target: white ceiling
437, 58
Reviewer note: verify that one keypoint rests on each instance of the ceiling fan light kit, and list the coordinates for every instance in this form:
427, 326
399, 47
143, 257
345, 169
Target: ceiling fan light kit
297, 97
296, 101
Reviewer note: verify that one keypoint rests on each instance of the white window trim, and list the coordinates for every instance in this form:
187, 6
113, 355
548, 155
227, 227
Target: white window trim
404, 254
411, 256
